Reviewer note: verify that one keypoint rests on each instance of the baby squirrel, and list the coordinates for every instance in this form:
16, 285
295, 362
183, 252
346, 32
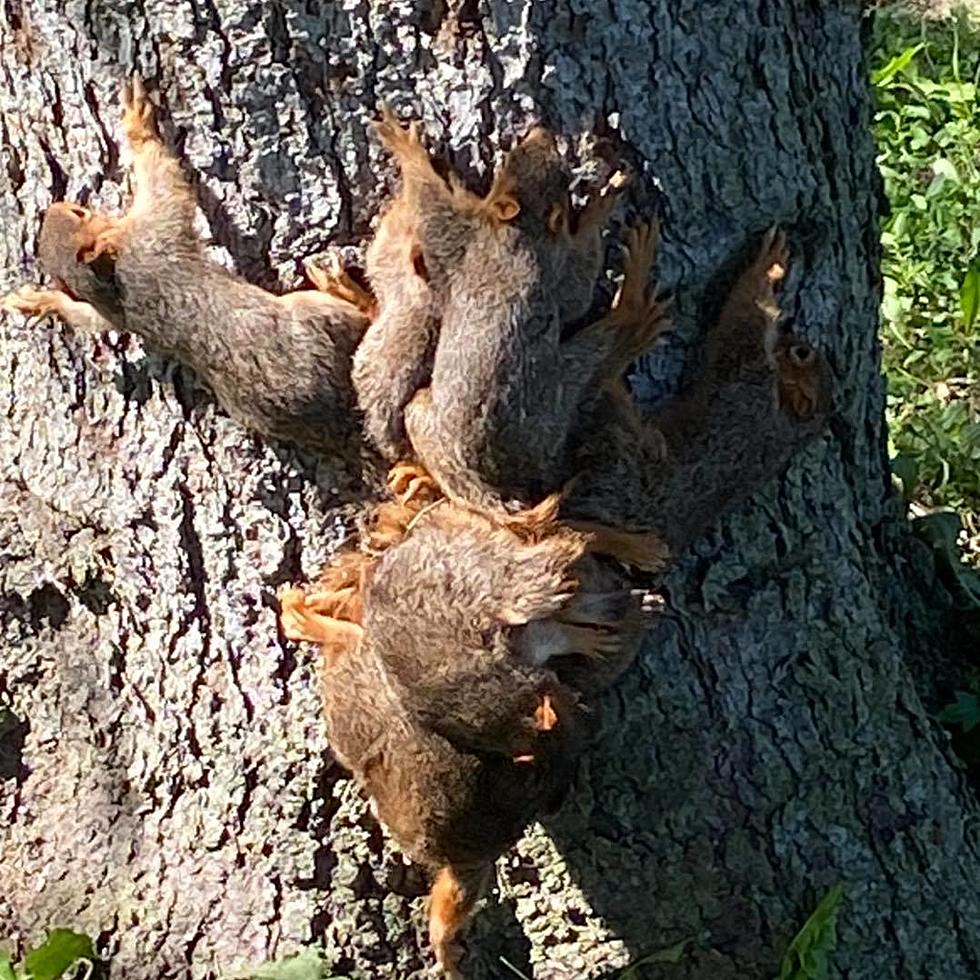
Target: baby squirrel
461, 650
279, 364
457, 692
394, 360
445, 714
759, 396
489, 283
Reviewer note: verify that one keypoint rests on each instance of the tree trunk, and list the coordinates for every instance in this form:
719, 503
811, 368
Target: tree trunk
166, 785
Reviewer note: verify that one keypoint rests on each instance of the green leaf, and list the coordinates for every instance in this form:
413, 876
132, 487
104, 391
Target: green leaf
965, 712
906, 470
58, 954
672, 954
970, 295
899, 63
6, 966
307, 964
808, 956
942, 167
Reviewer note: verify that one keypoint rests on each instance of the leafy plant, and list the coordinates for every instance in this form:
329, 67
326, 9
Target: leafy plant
965, 712
808, 956
307, 964
925, 78
62, 951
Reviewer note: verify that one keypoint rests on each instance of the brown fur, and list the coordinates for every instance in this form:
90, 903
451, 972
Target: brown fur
758, 397
459, 743
495, 278
279, 364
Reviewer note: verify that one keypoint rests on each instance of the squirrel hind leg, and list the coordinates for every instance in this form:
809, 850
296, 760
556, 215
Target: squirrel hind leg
454, 894
302, 623
644, 550
336, 281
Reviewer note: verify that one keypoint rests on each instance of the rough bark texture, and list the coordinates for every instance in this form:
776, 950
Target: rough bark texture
164, 778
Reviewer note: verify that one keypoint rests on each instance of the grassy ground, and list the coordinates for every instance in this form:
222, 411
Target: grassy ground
926, 74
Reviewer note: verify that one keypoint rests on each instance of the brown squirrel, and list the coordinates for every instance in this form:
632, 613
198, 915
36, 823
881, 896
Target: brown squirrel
394, 358
279, 364
759, 396
495, 279
444, 709
448, 607
458, 692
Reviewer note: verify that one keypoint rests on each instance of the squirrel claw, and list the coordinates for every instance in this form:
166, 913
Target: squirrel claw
336, 281
406, 480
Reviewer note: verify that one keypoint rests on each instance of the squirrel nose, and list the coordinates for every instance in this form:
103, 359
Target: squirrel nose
68, 208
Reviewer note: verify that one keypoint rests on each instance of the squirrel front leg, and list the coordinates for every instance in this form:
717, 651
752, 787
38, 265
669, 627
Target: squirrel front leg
419, 177
162, 210
602, 351
42, 302
747, 330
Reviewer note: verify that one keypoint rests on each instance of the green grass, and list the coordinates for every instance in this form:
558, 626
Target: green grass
926, 74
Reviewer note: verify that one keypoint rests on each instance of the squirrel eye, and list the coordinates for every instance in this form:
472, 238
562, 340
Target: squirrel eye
801, 354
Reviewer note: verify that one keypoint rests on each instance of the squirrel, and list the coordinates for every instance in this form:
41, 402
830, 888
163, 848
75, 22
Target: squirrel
458, 693
458, 744
760, 394
429, 629
394, 358
495, 279
278, 364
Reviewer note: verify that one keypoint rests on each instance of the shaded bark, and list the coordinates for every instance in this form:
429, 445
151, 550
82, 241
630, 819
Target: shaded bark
171, 793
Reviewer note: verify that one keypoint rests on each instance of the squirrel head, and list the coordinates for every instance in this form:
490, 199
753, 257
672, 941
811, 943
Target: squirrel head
804, 379
68, 230
531, 186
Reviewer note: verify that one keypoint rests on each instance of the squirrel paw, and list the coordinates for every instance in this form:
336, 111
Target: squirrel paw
33, 302
404, 142
301, 622
139, 120
406, 480
343, 604
336, 281
639, 250
639, 315
600, 204
768, 268
594, 641
106, 242
773, 258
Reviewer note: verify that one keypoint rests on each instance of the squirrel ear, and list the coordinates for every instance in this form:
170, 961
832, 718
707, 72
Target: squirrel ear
557, 219
505, 207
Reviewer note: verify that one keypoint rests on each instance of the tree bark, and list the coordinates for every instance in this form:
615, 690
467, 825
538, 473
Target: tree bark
166, 785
